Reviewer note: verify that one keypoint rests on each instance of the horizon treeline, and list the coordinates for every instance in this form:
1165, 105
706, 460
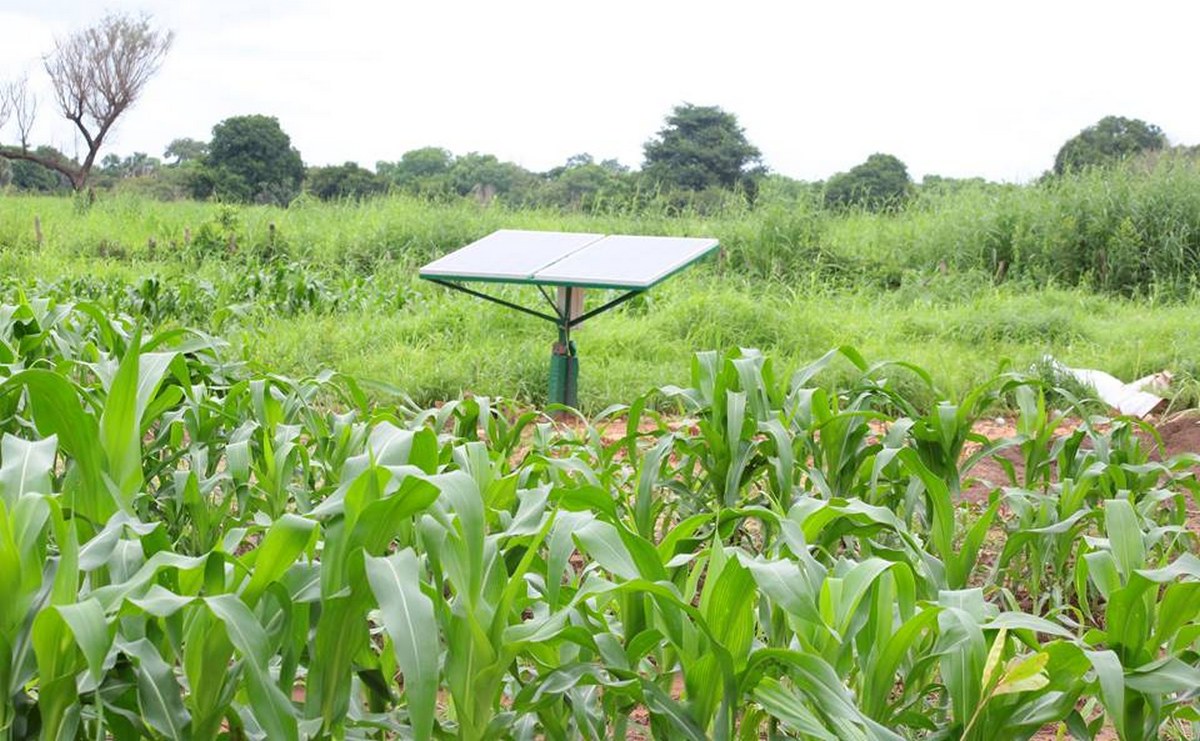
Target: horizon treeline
700, 162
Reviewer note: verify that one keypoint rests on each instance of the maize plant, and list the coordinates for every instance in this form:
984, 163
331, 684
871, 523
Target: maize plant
192, 549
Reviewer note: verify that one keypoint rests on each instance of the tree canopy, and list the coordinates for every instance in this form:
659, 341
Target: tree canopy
1109, 140
251, 159
880, 183
186, 150
337, 182
702, 147
484, 176
29, 175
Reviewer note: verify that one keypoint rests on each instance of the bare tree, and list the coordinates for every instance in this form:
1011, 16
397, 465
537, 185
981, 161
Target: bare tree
97, 74
23, 106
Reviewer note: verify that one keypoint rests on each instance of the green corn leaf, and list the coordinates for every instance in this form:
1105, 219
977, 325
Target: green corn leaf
780, 702
816, 680
669, 716
1164, 677
58, 663
136, 382
57, 411
991, 667
464, 497
963, 649
1024, 675
648, 481
409, 620
340, 636
159, 694
619, 551
729, 608
89, 628
1023, 621
1111, 678
285, 539
1180, 605
1124, 535
207, 653
25, 467
881, 679
382, 520
270, 706
160, 602
784, 584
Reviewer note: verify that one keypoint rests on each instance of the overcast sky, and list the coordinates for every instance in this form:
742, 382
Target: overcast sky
951, 88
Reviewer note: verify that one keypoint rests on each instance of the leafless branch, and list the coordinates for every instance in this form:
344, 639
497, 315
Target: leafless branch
5, 104
24, 106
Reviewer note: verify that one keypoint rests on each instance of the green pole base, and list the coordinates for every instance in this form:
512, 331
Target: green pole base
564, 375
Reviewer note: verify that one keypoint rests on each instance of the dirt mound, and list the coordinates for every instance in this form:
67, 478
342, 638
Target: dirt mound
1180, 434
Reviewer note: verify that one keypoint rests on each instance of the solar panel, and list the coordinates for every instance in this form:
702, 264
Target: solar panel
625, 262
508, 256
570, 259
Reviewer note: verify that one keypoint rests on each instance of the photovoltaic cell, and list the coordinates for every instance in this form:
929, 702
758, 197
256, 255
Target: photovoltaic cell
570, 259
625, 261
507, 256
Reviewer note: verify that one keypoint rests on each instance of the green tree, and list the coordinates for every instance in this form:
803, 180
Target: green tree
186, 150
581, 183
424, 171
251, 159
1109, 140
110, 165
31, 175
880, 183
702, 147
139, 165
614, 165
484, 176
937, 184
336, 182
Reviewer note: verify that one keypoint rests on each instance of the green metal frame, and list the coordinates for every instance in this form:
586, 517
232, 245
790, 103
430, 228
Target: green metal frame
564, 362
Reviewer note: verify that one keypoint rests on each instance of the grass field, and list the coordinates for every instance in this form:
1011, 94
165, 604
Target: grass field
1097, 272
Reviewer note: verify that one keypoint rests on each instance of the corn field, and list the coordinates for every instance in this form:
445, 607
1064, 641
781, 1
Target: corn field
192, 549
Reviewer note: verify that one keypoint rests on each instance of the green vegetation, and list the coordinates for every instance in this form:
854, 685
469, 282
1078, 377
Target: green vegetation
251, 159
703, 148
192, 550
880, 183
1097, 269
258, 481
1108, 141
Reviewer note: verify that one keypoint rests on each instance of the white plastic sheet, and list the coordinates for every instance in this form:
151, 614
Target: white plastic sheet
1131, 399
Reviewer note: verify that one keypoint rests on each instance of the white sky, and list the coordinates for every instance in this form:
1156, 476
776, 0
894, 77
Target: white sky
952, 88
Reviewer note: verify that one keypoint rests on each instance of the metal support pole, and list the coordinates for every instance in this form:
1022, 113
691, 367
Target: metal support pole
564, 362
568, 313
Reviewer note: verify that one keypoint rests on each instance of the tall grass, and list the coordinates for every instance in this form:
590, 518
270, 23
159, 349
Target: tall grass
1132, 232
1124, 231
1097, 270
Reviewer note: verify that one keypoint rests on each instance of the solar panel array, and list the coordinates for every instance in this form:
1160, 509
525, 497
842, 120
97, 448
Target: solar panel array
570, 259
